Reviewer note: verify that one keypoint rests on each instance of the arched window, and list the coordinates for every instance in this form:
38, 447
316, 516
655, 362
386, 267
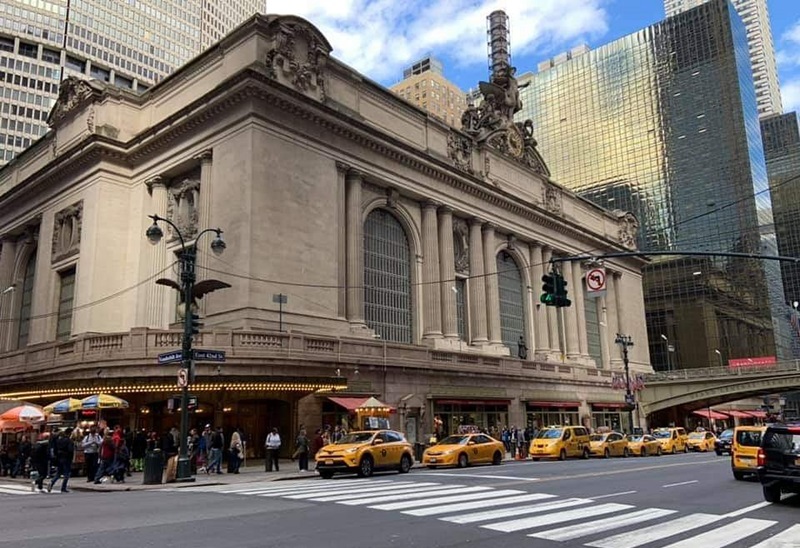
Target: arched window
512, 309
387, 277
27, 299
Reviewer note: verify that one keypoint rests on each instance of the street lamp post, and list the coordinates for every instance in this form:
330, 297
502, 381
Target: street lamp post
667, 348
719, 356
625, 342
188, 258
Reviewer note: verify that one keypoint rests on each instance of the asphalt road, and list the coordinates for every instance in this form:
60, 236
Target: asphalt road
687, 501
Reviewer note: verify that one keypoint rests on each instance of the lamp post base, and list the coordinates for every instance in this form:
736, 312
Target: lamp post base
184, 471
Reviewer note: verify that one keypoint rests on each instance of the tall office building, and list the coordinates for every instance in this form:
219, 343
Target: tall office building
131, 44
755, 16
424, 85
663, 123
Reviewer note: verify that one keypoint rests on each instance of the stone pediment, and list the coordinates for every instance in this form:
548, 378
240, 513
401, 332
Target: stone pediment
73, 94
297, 55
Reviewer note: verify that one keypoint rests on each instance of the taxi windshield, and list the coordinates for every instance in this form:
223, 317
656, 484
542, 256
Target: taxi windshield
356, 437
635, 438
726, 435
697, 435
454, 440
549, 434
663, 434
597, 437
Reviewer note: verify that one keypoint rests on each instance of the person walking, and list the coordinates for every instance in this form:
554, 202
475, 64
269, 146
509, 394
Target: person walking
215, 460
121, 462
65, 452
235, 452
138, 450
23, 454
91, 451
107, 452
301, 450
272, 445
40, 460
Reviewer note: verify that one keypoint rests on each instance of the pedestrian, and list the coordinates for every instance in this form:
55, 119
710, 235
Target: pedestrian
40, 459
272, 446
301, 450
91, 452
23, 454
138, 450
215, 460
65, 452
107, 452
193, 448
235, 452
121, 462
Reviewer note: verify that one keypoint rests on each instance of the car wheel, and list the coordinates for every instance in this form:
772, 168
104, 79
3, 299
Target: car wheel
497, 458
626, 453
674, 449
644, 451
365, 467
535, 459
405, 464
326, 474
562, 455
431, 467
772, 493
586, 453
606, 453
685, 448
658, 452
738, 475
719, 453
463, 461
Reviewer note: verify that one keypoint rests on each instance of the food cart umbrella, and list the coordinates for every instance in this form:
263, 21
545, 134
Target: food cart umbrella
374, 404
26, 413
67, 405
10, 426
103, 401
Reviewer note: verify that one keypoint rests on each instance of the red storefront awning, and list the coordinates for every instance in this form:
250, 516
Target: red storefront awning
738, 414
560, 404
609, 405
473, 402
757, 414
710, 414
351, 404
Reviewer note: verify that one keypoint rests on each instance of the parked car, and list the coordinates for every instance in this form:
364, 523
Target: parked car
644, 445
610, 444
723, 443
701, 441
560, 442
778, 461
364, 452
463, 450
744, 450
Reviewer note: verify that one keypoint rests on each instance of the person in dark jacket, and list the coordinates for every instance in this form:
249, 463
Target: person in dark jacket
107, 452
40, 458
138, 450
23, 453
65, 452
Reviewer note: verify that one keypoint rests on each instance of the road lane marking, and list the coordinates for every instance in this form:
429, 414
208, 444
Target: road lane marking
680, 483
626, 471
450, 508
522, 510
747, 509
457, 475
557, 517
11, 490
403, 505
361, 491
570, 532
411, 496
632, 539
322, 497
789, 538
725, 535
613, 495
297, 489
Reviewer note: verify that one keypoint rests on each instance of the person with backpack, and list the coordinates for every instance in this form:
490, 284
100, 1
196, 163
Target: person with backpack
65, 453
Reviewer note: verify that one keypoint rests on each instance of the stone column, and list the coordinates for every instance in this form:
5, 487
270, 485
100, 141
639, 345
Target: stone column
492, 285
570, 317
554, 342
447, 273
341, 239
8, 253
541, 340
156, 309
605, 350
355, 251
204, 219
432, 305
477, 284
580, 308
615, 305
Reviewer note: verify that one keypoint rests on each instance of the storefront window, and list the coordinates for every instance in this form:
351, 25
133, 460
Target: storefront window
542, 417
615, 419
457, 417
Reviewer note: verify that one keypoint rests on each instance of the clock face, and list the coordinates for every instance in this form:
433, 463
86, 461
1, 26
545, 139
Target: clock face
516, 145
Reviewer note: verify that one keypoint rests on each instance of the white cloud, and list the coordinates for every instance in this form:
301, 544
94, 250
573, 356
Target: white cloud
790, 95
380, 37
790, 54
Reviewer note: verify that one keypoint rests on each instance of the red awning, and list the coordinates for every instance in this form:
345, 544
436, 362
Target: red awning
609, 405
553, 404
473, 402
757, 414
710, 414
738, 414
351, 404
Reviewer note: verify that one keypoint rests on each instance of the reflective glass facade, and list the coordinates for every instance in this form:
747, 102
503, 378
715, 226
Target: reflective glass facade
663, 123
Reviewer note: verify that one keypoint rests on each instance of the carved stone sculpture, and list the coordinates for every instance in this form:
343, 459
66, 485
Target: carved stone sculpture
183, 204
628, 228
72, 93
67, 232
553, 198
461, 245
459, 149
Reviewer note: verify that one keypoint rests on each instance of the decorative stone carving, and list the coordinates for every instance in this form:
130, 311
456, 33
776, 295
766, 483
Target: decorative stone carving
461, 245
67, 232
553, 198
183, 204
628, 228
392, 197
73, 93
297, 55
459, 149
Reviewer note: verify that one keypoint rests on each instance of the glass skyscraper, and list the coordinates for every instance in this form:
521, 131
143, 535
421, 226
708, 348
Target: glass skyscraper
131, 43
664, 123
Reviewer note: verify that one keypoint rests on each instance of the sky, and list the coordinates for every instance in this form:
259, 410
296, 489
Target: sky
381, 37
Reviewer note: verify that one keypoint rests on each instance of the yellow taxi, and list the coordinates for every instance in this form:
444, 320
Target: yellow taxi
701, 441
672, 439
644, 445
364, 453
610, 444
744, 450
560, 442
463, 450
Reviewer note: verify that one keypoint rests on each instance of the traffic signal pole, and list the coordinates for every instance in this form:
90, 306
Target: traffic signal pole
188, 277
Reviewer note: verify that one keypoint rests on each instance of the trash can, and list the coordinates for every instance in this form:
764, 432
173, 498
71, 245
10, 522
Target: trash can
419, 448
153, 467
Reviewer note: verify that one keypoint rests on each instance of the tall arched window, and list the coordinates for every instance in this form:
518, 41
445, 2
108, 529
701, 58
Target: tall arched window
512, 309
27, 299
387, 277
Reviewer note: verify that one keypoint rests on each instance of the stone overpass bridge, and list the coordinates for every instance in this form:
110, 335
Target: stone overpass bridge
669, 395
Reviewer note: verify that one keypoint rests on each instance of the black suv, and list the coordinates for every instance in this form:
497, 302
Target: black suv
779, 461
723, 443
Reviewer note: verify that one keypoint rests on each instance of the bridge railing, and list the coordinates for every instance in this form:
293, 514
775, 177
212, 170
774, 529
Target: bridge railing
723, 372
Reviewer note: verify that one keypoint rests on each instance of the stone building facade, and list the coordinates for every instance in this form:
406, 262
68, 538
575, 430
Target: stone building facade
409, 254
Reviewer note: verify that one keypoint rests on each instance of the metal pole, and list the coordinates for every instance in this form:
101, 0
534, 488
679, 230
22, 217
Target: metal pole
280, 314
629, 398
184, 470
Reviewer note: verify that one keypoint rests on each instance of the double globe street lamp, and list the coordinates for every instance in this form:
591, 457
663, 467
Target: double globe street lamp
188, 258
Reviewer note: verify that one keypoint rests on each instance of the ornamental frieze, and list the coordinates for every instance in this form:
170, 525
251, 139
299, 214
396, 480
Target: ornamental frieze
297, 56
67, 232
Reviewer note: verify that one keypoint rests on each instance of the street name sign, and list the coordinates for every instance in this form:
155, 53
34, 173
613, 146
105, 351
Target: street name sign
209, 355
170, 357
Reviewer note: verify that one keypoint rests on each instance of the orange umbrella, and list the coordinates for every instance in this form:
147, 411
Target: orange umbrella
9, 427
27, 413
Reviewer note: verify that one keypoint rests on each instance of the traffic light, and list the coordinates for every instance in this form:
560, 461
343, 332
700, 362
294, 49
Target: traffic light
561, 299
196, 324
548, 297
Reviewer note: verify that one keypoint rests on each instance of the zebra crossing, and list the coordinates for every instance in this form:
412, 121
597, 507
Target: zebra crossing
541, 516
10, 489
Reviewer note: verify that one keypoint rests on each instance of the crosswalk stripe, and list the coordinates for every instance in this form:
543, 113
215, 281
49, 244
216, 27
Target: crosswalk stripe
450, 508
789, 538
304, 487
13, 487
444, 500
557, 517
725, 535
664, 530
8, 490
361, 493
522, 510
359, 489
410, 496
570, 532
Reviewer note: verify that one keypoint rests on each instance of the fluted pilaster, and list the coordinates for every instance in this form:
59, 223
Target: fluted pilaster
492, 288
447, 273
615, 305
570, 315
580, 308
8, 252
156, 311
477, 284
355, 250
541, 339
432, 305
605, 351
204, 215
554, 341
341, 239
